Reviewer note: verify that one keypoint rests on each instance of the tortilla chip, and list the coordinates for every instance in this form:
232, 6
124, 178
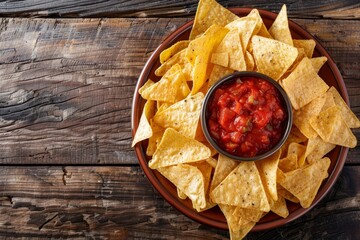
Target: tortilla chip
286, 194
318, 62
299, 151
267, 168
181, 194
250, 63
171, 51
223, 168
305, 182
316, 149
289, 163
280, 28
350, 118
242, 232
217, 73
144, 130
329, 101
232, 221
303, 115
304, 85
332, 128
148, 83
220, 58
180, 59
182, 116
175, 148
247, 215
260, 26
232, 46
188, 179
199, 53
272, 57
212, 162
307, 44
155, 139
210, 12
249, 194
279, 207
246, 27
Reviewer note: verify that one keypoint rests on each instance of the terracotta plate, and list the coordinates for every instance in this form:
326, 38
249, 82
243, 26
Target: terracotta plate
213, 217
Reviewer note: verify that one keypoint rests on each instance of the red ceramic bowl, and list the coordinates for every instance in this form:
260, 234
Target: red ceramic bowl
213, 217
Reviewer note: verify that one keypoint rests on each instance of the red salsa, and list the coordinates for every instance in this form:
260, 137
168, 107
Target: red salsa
246, 116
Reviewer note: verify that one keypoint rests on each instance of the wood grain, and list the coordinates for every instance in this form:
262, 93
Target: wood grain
119, 203
348, 9
67, 84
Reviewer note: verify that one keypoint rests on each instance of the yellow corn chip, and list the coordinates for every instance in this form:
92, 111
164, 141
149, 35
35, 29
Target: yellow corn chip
247, 215
307, 44
286, 194
175, 148
180, 59
155, 139
212, 162
299, 151
305, 182
209, 12
144, 130
232, 221
279, 207
188, 179
332, 128
303, 115
249, 194
246, 27
318, 62
303, 84
223, 168
217, 73
280, 28
232, 46
171, 51
148, 83
181, 194
241, 233
329, 101
182, 116
220, 58
350, 118
267, 169
289, 163
260, 26
316, 149
272, 57
250, 64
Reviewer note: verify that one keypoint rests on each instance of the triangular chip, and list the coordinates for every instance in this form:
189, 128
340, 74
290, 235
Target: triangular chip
189, 180
210, 12
171, 51
249, 191
307, 44
272, 57
180, 59
260, 26
280, 28
305, 182
232, 46
144, 130
298, 150
217, 73
332, 128
279, 207
148, 83
223, 167
303, 84
350, 118
289, 163
232, 220
155, 139
318, 62
247, 215
317, 148
182, 116
267, 168
175, 148
242, 232
246, 27
303, 115
250, 63
181, 194
286, 194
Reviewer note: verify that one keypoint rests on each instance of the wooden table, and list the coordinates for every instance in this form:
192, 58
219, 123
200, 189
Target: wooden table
68, 70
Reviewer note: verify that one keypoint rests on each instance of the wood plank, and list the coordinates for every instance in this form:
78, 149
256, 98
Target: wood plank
118, 202
169, 8
67, 84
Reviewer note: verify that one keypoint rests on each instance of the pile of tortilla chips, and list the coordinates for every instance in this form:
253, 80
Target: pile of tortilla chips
219, 44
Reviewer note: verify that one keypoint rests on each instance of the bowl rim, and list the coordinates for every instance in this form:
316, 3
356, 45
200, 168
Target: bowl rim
232, 77
175, 202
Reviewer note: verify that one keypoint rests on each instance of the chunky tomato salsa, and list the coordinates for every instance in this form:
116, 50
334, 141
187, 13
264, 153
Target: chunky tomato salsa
246, 116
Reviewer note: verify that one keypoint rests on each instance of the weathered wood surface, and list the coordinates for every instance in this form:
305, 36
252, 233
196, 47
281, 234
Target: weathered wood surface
119, 203
170, 8
67, 84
